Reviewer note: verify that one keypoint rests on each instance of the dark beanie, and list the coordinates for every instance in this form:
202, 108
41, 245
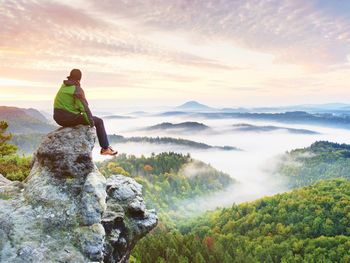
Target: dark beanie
75, 74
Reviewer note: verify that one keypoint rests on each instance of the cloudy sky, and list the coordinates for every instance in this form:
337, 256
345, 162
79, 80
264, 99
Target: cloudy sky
219, 52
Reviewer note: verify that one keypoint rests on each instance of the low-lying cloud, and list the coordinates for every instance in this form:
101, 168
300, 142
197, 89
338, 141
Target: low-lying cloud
254, 168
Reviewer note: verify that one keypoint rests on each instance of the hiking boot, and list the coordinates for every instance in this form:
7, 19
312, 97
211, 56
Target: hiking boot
108, 151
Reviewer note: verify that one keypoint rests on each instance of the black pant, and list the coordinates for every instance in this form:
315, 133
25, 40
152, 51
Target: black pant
67, 119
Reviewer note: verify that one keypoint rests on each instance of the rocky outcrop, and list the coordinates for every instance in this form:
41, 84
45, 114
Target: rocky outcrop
66, 211
4, 180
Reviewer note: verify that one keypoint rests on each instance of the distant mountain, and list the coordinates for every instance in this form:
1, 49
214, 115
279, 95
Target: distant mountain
36, 114
324, 119
186, 126
138, 113
25, 120
339, 119
240, 109
245, 127
194, 106
168, 140
335, 108
173, 113
320, 108
117, 117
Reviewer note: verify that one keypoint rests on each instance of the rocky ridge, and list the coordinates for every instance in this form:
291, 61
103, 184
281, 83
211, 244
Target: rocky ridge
66, 211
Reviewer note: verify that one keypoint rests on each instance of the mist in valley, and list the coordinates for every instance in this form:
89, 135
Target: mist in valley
253, 167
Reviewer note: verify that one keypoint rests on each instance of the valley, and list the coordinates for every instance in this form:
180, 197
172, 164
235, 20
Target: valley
216, 182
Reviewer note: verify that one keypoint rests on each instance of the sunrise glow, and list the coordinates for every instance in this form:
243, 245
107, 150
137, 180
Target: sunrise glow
221, 52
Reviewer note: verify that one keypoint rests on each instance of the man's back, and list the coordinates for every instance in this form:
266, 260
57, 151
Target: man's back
65, 100
71, 108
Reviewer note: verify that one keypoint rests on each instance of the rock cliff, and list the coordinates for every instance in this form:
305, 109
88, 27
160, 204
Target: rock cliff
66, 211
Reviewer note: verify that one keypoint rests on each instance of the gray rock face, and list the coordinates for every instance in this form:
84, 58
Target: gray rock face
66, 211
125, 210
3, 180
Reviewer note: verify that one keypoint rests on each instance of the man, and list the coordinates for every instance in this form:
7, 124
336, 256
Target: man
71, 108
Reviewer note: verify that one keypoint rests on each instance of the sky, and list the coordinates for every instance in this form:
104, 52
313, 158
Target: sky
164, 52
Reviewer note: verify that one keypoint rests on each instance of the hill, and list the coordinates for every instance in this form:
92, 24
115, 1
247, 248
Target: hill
169, 140
321, 160
184, 126
168, 179
306, 225
193, 106
25, 120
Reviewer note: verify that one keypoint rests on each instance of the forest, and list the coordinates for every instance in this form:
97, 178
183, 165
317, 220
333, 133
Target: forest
309, 224
168, 179
321, 160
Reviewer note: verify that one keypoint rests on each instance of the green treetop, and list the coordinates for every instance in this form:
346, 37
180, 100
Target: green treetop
5, 147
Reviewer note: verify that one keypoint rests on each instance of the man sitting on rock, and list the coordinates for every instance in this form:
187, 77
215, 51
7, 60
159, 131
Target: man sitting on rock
71, 108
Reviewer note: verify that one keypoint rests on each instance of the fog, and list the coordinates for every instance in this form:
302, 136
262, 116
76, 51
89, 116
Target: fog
253, 167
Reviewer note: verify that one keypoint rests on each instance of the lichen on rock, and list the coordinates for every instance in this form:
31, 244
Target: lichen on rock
66, 211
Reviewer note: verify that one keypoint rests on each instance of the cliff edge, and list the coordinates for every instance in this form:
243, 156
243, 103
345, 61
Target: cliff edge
66, 211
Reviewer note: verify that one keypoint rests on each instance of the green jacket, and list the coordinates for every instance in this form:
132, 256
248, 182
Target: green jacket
71, 98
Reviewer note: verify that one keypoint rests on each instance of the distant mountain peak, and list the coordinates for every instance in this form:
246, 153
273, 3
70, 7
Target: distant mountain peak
193, 105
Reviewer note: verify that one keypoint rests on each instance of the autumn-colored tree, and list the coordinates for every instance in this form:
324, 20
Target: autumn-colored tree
147, 167
209, 242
